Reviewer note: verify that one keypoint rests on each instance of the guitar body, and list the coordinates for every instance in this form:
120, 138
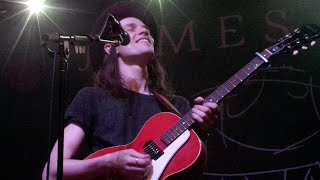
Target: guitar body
185, 155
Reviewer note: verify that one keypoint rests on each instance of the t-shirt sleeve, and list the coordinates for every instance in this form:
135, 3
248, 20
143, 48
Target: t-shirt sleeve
81, 109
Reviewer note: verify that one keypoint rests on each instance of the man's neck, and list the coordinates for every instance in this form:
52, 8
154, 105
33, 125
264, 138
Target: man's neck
134, 77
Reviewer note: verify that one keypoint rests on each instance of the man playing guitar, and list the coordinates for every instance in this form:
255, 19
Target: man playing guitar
130, 88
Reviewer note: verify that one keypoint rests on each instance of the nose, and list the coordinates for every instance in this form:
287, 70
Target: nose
143, 30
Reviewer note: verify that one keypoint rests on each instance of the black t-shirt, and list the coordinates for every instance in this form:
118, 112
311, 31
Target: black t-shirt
108, 121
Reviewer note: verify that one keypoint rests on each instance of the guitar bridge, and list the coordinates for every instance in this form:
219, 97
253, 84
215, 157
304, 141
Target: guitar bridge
152, 149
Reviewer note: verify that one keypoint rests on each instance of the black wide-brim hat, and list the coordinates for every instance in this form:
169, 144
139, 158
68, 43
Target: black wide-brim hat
120, 10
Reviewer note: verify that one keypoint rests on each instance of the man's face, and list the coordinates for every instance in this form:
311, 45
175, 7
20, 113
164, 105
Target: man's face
141, 42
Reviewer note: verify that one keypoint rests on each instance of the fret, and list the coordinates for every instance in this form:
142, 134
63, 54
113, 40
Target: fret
254, 65
242, 75
234, 85
229, 85
238, 77
188, 123
185, 125
169, 139
174, 131
180, 128
216, 96
173, 136
235, 81
189, 119
257, 62
211, 99
170, 135
243, 70
164, 138
217, 91
225, 88
250, 68
222, 91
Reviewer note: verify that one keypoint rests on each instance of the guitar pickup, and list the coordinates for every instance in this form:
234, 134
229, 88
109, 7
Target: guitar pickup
153, 150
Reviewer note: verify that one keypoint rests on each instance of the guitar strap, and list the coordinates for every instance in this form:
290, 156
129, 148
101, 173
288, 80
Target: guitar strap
167, 104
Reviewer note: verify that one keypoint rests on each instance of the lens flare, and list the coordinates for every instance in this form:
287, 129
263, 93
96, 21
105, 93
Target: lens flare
35, 6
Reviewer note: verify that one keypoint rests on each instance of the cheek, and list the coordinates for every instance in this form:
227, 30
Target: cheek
121, 49
124, 50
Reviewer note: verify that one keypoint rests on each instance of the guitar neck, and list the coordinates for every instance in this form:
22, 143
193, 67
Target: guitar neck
237, 78
186, 121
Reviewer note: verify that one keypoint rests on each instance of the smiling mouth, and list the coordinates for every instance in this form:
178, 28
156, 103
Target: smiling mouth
143, 40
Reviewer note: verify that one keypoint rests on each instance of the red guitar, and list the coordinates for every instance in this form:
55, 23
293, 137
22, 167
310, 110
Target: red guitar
174, 147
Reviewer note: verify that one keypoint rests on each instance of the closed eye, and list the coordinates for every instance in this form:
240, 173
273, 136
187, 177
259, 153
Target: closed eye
129, 30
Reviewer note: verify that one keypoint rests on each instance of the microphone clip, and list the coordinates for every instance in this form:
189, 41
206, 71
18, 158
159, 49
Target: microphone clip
113, 31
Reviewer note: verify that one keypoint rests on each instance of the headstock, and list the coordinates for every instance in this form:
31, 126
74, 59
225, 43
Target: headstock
301, 38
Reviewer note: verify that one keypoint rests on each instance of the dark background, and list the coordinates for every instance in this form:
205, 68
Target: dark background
269, 125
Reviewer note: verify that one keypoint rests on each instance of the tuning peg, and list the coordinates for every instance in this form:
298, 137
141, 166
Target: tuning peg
304, 47
312, 43
295, 52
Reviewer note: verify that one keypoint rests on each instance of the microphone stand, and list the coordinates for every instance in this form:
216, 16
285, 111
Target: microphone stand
64, 54
63, 51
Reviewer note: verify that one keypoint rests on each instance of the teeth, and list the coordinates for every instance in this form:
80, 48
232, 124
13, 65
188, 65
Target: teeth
143, 40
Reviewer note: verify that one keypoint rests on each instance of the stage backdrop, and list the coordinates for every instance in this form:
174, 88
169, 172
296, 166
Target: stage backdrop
270, 124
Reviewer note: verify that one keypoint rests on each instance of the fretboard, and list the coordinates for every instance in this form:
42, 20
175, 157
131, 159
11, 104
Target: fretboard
186, 121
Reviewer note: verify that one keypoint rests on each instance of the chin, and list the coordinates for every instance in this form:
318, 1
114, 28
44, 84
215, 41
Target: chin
147, 52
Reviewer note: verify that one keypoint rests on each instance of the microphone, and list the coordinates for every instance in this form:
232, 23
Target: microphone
117, 30
74, 39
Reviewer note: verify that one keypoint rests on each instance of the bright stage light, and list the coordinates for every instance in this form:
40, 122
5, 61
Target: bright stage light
35, 6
